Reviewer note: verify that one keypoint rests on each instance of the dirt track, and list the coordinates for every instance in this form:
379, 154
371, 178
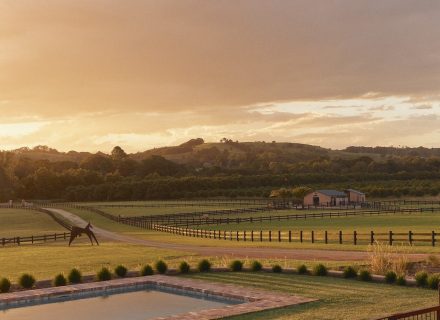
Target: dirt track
299, 254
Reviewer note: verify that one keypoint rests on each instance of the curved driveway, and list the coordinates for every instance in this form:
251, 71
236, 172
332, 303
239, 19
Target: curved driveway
280, 253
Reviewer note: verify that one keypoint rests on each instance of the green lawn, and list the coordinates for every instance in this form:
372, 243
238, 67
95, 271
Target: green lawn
105, 223
338, 298
18, 223
383, 223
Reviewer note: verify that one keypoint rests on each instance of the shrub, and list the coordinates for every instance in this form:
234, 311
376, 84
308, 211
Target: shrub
277, 268
5, 285
401, 281
147, 270
256, 265
433, 281
365, 275
350, 272
302, 269
26, 281
422, 278
59, 280
121, 271
184, 267
390, 277
204, 265
104, 274
75, 276
236, 265
161, 266
320, 270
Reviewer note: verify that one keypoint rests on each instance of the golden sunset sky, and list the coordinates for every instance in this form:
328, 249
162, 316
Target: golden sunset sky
88, 75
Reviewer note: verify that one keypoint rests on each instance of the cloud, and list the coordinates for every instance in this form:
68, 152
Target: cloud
422, 107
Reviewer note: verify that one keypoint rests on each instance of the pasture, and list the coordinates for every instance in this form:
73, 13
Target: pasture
20, 222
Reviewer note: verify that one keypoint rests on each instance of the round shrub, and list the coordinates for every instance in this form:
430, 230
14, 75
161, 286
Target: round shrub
184, 267
277, 268
433, 281
147, 270
236, 265
161, 266
256, 266
365, 275
302, 269
26, 281
59, 280
422, 278
104, 274
401, 281
204, 266
320, 270
74, 276
5, 285
121, 271
390, 277
350, 272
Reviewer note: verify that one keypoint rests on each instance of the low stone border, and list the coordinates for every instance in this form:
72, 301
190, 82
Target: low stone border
254, 300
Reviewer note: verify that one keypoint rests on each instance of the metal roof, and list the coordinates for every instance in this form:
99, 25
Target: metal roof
356, 191
333, 193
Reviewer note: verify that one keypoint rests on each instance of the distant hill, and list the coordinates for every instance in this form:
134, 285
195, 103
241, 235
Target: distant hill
232, 154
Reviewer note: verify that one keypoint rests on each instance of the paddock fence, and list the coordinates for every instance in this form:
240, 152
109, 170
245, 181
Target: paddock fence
35, 239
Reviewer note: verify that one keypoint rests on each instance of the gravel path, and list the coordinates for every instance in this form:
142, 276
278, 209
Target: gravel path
250, 252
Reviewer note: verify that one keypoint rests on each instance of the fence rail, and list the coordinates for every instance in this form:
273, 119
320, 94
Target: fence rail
432, 313
35, 239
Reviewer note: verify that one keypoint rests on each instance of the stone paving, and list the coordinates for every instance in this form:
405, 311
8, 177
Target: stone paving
254, 300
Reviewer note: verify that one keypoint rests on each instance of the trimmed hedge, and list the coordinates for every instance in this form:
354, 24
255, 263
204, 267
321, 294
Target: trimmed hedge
302, 269
320, 270
256, 266
121, 271
277, 268
5, 285
59, 280
365, 275
390, 277
350, 272
204, 266
104, 274
74, 276
422, 278
161, 267
236, 265
146, 270
26, 281
184, 267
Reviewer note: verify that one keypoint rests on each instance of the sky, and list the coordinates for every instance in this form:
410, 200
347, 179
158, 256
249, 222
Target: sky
89, 75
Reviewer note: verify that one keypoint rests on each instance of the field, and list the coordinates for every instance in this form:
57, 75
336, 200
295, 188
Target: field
18, 223
339, 298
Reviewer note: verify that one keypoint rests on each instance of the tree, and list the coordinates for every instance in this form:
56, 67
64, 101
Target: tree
118, 153
300, 192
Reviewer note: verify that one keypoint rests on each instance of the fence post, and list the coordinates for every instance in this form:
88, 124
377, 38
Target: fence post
433, 238
313, 236
340, 237
354, 237
270, 236
252, 235
261, 235
244, 235
391, 238
279, 235
372, 237
238, 236
290, 235
326, 237
410, 239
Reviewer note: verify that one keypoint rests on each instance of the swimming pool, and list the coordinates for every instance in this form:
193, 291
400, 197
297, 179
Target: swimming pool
138, 303
151, 297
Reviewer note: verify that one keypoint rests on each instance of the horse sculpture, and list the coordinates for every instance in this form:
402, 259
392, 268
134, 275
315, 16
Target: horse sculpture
78, 231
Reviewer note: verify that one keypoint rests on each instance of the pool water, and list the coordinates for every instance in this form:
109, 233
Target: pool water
147, 303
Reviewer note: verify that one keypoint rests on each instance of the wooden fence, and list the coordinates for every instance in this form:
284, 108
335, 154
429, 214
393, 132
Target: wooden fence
301, 236
35, 239
432, 313
192, 220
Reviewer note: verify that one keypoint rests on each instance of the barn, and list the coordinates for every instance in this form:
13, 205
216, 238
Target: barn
328, 197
